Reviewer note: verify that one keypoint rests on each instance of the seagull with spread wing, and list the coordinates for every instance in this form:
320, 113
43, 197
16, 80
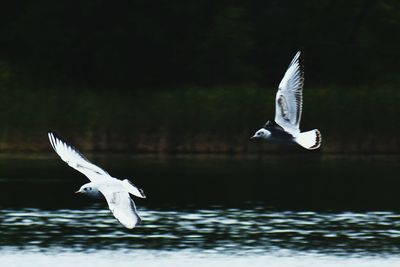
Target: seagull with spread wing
115, 191
288, 106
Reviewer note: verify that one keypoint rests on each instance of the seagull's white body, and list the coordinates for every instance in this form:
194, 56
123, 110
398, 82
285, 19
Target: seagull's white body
115, 191
288, 108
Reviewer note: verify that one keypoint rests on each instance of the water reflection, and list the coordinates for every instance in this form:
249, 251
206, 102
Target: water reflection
216, 230
297, 182
206, 212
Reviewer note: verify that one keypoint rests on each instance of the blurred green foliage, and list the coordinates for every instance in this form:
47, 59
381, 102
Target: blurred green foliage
218, 119
192, 76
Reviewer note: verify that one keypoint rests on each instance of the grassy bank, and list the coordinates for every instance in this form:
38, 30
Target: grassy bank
193, 120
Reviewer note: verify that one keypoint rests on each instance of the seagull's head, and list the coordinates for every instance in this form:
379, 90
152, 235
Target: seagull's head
85, 189
262, 134
90, 190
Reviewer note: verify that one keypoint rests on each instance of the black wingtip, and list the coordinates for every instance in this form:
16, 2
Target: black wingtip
139, 220
318, 140
142, 193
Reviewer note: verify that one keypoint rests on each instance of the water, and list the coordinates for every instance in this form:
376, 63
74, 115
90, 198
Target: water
208, 212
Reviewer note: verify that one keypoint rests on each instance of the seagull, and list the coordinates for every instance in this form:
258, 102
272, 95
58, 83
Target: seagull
115, 191
288, 106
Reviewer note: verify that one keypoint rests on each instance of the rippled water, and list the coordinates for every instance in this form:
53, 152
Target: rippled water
43, 224
238, 236
217, 230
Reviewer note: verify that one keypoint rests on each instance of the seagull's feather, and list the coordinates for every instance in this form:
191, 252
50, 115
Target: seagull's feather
76, 160
289, 98
123, 208
133, 189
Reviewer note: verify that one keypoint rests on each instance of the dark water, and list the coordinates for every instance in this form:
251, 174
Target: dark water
206, 211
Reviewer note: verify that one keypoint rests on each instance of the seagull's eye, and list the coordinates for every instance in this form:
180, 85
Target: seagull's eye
259, 133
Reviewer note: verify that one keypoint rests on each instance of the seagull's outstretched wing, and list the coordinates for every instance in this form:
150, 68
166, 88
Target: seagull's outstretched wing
123, 207
76, 160
289, 98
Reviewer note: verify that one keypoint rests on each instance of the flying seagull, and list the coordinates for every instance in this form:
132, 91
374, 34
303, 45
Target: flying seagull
115, 191
288, 106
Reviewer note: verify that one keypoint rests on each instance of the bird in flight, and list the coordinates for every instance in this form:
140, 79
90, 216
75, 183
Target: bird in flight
115, 191
288, 107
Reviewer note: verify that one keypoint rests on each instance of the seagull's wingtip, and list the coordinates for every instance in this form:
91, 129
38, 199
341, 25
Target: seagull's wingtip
142, 193
297, 55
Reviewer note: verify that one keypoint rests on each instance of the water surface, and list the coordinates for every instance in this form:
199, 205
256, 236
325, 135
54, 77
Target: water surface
206, 212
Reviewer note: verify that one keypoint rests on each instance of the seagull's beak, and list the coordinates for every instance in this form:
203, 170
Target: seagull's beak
253, 137
77, 192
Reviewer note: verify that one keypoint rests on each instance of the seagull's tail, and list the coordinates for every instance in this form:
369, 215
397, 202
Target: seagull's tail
133, 189
310, 140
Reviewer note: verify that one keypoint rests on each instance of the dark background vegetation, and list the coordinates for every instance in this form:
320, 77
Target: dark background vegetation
179, 76
196, 76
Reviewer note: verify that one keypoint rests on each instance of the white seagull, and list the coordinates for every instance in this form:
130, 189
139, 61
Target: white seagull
115, 191
288, 106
